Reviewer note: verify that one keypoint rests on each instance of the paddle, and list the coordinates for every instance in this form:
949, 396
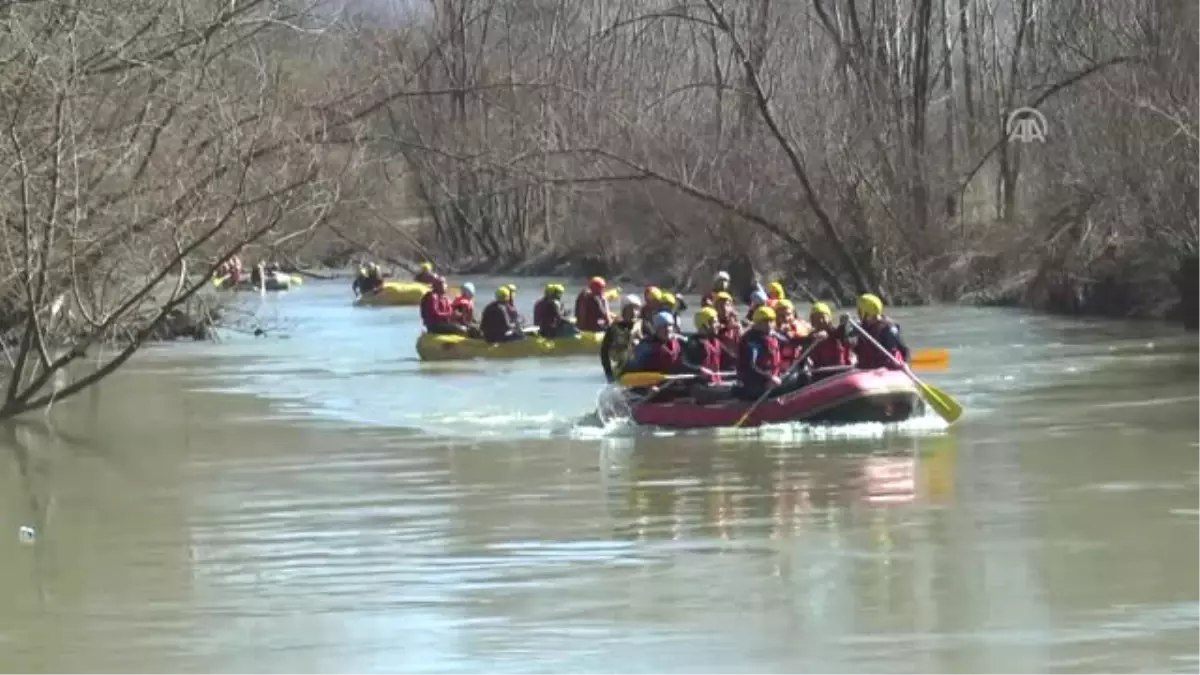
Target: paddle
650, 379
941, 402
767, 394
930, 359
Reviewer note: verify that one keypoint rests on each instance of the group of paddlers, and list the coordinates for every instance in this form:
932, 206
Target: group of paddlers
233, 271
768, 349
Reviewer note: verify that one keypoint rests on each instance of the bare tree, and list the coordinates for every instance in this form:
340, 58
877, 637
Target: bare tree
848, 144
143, 144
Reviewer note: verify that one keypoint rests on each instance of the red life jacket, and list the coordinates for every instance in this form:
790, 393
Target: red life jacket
665, 356
830, 352
869, 356
792, 340
591, 312
767, 361
435, 309
464, 307
729, 334
712, 355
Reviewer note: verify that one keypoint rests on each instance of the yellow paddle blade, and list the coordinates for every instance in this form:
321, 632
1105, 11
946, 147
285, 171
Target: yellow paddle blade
930, 359
612, 294
641, 379
941, 402
742, 420
297, 280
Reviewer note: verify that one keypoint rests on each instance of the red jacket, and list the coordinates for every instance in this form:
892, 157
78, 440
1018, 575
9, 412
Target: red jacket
704, 351
435, 309
730, 334
791, 340
464, 308
655, 356
832, 351
887, 334
591, 311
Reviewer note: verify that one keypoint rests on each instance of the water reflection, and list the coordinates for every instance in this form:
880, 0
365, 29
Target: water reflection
676, 488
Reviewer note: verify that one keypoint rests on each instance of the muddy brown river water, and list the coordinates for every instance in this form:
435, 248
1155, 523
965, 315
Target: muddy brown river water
321, 501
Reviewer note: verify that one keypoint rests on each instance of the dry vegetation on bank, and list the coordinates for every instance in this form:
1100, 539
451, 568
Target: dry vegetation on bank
849, 144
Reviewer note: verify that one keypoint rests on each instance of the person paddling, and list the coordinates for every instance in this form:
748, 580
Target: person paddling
591, 307
426, 275
368, 280
720, 285
549, 317
621, 338
499, 322
437, 312
885, 332
829, 349
758, 363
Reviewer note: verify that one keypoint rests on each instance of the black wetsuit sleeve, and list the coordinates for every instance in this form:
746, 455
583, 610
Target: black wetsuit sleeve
605, 359
891, 341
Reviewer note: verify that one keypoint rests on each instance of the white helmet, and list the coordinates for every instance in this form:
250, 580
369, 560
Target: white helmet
723, 276
631, 301
468, 290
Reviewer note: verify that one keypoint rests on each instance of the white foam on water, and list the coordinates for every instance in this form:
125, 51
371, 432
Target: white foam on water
788, 433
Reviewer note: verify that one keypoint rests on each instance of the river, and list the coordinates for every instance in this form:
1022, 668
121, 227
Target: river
318, 500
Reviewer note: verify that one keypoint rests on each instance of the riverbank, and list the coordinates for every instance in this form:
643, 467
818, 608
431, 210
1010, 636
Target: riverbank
1171, 296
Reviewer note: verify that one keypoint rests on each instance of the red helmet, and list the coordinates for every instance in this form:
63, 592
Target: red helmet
597, 285
652, 293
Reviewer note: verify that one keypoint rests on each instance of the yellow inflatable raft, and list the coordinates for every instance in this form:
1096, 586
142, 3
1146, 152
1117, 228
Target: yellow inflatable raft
400, 294
432, 347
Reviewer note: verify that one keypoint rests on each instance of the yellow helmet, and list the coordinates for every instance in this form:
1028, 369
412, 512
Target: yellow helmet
705, 317
869, 306
667, 299
784, 303
503, 294
764, 314
820, 308
512, 288
775, 290
723, 296
426, 266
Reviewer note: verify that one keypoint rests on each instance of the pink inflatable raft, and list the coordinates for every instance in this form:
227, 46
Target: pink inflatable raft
844, 398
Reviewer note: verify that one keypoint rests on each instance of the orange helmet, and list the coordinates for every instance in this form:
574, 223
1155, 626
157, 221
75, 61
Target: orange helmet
597, 284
